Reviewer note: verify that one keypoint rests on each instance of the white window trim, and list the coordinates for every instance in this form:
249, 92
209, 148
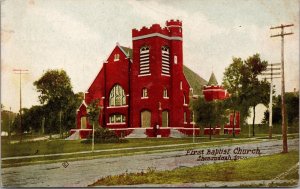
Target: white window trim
167, 75
121, 123
185, 104
157, 35
166, 97
143, 75
118, 106
146, 97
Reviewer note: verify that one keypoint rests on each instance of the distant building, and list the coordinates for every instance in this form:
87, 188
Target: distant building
7, 119
214, 91
143, 91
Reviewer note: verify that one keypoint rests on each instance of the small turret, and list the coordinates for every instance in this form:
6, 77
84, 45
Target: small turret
212, 80
175, 27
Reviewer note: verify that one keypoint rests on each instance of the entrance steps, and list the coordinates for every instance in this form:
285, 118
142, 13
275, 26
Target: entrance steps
74, 136
174, 133
137, 133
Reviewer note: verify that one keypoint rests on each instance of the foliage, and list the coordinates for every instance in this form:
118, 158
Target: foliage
103, 135
31, 119
93, 110
241, 81
254, 90
69, 112
292, 109
232, 82
54, 85
59, 103
16, 122
210, 113
233, 78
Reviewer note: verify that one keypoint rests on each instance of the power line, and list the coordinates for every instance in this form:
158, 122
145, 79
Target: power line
283, 110
20, 72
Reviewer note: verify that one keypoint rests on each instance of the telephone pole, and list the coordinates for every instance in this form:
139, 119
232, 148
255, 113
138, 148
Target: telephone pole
271, 75
20, 72
283, 110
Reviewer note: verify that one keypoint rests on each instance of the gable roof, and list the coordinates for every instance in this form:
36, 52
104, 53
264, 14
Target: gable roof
212, 80
127, 51
195, 81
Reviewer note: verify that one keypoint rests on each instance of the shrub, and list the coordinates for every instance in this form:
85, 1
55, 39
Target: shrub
103, 135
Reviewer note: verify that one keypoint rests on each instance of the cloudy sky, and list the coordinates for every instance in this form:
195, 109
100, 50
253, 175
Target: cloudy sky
77, 36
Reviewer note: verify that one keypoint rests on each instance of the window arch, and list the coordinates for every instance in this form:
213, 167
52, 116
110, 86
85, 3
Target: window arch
117, 57
117, 96
144, 61
165, 57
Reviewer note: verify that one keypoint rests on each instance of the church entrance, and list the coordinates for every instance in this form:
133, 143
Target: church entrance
145, 118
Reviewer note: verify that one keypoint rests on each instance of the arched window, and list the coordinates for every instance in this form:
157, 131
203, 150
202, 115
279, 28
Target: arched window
117, 118
184, 100
116, 57
165, 56
144, 61
184, 117
117, 96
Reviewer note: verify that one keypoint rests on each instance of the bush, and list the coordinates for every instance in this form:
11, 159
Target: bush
103, 135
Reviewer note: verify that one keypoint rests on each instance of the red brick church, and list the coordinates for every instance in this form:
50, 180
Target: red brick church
143, 91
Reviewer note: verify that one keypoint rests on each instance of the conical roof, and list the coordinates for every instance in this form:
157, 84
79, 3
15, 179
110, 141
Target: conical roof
212, 80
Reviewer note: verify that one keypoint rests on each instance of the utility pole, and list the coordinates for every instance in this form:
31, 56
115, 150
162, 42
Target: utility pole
283, 110
20, 72
9, 125
193, 127
270, 72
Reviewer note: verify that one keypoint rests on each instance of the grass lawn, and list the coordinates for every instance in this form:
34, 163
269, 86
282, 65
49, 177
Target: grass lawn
57, 146
62, 146
259, 168
65, 146
264, 129
54, 146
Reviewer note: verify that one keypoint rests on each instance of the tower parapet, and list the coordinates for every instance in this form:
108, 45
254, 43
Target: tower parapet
173, 28
174, 23
155, 28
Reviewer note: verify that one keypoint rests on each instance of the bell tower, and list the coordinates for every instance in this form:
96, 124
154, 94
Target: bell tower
157, 70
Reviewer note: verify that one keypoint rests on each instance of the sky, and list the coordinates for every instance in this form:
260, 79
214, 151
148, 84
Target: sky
78, 36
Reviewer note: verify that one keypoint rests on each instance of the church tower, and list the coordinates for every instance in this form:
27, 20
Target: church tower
159, 90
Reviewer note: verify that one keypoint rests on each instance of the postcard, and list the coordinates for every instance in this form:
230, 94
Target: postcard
134, 93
